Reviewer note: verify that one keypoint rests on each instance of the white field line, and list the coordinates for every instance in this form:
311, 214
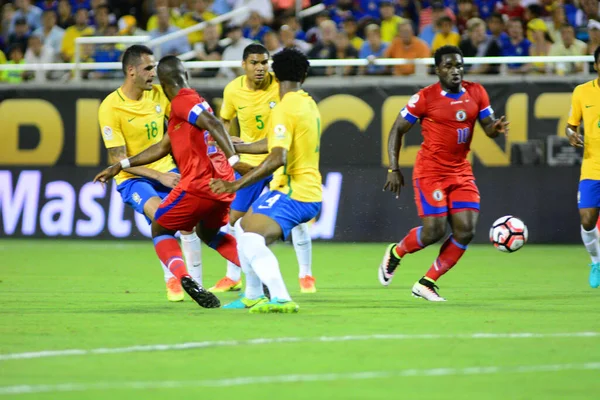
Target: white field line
265, 380
263, 341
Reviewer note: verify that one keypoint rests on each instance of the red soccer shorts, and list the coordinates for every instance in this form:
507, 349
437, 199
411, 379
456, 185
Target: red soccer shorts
434, 196
182, 211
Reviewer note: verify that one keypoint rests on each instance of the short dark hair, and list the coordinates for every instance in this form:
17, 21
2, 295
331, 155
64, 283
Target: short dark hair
254, 48
103, 7
443, 19
536, 10
290, 65
597, 55
133, 55
496, 15
568, 26
444, 50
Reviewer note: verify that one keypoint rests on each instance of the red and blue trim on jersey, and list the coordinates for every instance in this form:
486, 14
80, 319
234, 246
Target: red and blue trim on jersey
197, 110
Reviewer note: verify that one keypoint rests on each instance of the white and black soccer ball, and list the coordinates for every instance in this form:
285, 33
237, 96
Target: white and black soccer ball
508, 234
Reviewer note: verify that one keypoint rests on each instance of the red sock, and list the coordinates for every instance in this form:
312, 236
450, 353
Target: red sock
226, 245
411, 243
450, 252
169, 252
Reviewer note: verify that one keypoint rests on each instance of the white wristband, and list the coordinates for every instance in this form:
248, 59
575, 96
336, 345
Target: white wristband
234, 159
125, 163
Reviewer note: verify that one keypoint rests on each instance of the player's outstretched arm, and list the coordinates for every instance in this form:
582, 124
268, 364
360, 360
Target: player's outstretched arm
276, 159
494, 127
395, 180
260, 147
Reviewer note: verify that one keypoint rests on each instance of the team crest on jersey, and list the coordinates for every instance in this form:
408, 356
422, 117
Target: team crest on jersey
136, 197
461, 115
158, 109
413, 100
279, 132
272, 104
438, 195
107, 132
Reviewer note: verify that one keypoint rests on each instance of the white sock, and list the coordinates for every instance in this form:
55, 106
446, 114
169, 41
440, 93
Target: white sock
233, 271
192, 251
590, 240
254, 287
263, 262
167, 274
303, 246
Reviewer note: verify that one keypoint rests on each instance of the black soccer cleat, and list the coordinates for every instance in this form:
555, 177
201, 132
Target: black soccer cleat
203, 297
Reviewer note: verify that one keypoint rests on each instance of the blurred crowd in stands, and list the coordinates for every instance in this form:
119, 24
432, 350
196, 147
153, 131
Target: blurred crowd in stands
45, 32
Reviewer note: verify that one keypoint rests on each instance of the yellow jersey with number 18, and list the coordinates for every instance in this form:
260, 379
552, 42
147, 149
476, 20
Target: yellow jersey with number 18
585, 105
135, 124
253, 110
296, 126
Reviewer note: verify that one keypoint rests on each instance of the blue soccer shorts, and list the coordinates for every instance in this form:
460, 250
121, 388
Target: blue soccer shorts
288, 213
136, 192
248, 195
588, 195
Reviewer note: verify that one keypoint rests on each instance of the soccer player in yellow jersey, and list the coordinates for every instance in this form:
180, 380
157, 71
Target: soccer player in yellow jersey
249, 100
585, 105
295, 192
132, 118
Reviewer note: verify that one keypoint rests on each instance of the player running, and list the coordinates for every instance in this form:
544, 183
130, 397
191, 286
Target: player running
191, 203
249, 99
131, 120
585, 105
445, 190
296, 193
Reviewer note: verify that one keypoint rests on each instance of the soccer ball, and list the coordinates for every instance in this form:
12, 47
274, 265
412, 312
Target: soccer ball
508, 234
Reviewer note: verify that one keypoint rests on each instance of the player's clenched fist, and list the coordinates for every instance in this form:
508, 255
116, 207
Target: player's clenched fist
394, 182
220, 186
108, 173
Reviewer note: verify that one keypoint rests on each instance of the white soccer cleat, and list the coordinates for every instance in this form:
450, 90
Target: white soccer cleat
388, 266
426, 289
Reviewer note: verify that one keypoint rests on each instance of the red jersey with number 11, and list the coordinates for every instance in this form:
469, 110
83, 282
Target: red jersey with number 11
197, 161
447, 124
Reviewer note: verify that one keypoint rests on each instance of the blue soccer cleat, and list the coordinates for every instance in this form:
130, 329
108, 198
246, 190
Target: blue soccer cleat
244, 302
595, 275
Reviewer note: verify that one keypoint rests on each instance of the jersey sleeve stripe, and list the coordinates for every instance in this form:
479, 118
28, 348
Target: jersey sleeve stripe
486, 112
195, 112
408, 116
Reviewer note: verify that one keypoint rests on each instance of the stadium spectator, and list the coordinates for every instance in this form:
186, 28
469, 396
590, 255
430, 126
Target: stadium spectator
313, 35
20, 35
429, 15
234, 52
271, 42
590, 9
289, 40
466, 11
50, 34
280, 6
570, 46
128, 27
45, 5
445, 36
540, 43
407, 45
220, 7
208, 50
428, 31
174, 15
38, 53
65, 16
497, 26
594, 34
174, 46
15, 57
516, 45
343, 51
81, 28
479, 44
8, 11
389, 20
101, 20
324, 48
107, 52
409, 9
372, 49
263, 7
512, 9
292, 22
369, 8
558, 18
350, 26
200, 13
255, 29
342, 10
533, 11
31, 14
486, 8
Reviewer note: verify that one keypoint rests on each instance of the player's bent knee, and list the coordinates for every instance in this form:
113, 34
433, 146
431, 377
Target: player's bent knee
234, 216
589, 218
433, 234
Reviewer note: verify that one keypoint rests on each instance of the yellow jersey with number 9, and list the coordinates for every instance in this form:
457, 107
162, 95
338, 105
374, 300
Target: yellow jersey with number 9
585, 105
135, 124
253, 110
296, 126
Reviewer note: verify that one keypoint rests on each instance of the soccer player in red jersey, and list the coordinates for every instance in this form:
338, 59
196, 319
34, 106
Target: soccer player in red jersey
192, 128
445, 190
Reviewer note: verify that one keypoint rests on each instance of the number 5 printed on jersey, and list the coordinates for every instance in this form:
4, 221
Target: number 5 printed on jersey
463, 135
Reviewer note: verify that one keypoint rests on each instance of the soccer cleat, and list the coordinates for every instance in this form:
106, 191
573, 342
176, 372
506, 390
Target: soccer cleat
426, 289
174, 290
388, 265
595, 275
275, 306
244, 302
203, 297
226, 285
307, 284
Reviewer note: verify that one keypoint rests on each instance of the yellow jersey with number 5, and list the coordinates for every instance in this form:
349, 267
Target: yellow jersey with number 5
585, 105
296, 126
135, 124
253, 110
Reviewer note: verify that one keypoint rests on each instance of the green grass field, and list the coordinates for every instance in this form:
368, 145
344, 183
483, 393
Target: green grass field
354, 339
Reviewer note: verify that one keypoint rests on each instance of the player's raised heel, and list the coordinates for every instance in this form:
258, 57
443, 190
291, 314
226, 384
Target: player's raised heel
388, 266
595, 275
201, 296
275, 306
426, 289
